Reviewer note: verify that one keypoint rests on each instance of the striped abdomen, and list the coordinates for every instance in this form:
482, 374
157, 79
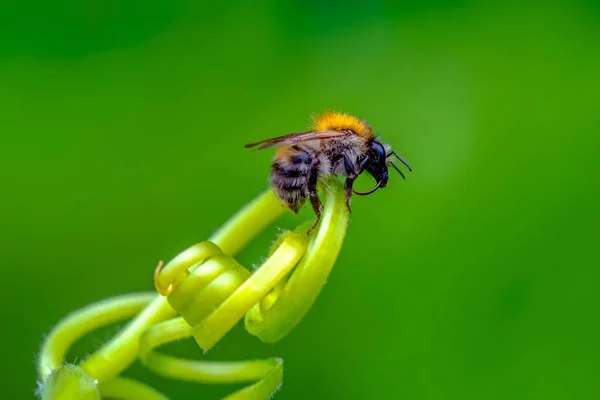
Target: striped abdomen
290, 174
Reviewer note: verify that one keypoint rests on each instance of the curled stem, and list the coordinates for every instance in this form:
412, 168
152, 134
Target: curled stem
211, 292
275, 317
116, 355
83, 321
213, 298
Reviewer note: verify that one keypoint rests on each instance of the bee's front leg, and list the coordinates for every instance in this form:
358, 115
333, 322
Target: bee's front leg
352, 172
348, 187
312, 192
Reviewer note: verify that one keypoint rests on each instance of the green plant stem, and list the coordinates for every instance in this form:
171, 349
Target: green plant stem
272, 305
294, 298
114, 357
83, 321
120, 352
192, 370
232, 298
69, 382
212, 328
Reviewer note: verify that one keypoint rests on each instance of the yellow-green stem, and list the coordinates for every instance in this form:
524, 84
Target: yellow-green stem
233, 299
288, 305
272, 305
116, 355
83, 321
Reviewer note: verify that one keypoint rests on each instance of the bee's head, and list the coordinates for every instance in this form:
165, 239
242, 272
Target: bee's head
377, 163
378, 158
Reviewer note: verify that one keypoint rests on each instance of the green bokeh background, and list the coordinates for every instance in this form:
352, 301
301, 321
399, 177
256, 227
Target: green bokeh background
121, 143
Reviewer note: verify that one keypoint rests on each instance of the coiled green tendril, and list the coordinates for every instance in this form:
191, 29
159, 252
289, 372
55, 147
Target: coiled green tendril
204, 293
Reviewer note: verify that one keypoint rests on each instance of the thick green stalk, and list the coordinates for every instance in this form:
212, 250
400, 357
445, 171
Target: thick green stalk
211, 292
280, 313
121, 351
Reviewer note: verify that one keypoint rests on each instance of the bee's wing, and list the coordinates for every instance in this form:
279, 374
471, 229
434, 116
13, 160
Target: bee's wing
294, 138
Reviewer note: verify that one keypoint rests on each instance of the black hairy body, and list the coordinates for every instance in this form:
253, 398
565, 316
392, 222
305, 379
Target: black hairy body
340, 145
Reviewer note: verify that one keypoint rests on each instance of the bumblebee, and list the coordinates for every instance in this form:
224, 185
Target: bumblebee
339, 144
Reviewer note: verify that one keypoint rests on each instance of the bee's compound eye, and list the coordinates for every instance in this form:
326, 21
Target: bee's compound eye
378, 149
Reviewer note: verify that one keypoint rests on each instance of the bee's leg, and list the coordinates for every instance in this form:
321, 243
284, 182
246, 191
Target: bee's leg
352, 174
312, 192
348, 187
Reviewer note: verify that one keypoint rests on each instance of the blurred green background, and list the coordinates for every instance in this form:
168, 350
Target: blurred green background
121, 143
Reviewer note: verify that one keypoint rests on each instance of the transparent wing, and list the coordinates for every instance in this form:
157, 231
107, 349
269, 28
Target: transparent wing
294, 138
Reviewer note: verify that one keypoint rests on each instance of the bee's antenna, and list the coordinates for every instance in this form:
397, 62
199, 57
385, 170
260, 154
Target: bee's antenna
369, 192
397, 169
401, 159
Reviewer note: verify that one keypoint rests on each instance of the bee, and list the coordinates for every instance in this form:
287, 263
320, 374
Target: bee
339, 144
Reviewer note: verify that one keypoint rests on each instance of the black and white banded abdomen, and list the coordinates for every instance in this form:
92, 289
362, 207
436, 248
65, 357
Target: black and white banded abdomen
290, 178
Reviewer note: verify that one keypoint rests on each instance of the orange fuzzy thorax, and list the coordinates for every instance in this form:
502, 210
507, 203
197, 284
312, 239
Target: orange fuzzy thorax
338, 122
